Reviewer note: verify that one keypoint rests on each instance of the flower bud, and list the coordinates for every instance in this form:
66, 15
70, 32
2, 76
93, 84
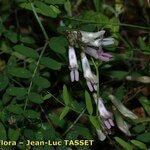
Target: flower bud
122, 125
142, 79
123, 110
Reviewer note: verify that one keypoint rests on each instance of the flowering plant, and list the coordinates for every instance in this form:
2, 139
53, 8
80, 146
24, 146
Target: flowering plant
95, 40
74, 75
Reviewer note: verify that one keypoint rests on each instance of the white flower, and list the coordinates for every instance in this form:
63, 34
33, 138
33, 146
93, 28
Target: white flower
101, 42
73, 65
91, 78
91, 36
87, 37
105, 115
107, 41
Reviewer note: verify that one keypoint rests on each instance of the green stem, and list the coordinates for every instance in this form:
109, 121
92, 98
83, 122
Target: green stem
38, 20
121, 24
56, 99
33, 75
134, 26
97, 74
70, 127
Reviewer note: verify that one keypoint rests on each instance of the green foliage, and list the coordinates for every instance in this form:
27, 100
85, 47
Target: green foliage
31, 114
50, 11
13, 134
139, 128
3, 134
58, 48
36, 94
88, 103
42, 8
15, 109
26, 51
94, 120
56, 120
139, 144
47, 96
124, 144
67, 6
50, 63
97, 4
146, 104
119, 74
144, 137
3, 81
41, 82
35, 98
20, 72
101, 21
54, 1
143, 46
16, 91
64, 112
66, 95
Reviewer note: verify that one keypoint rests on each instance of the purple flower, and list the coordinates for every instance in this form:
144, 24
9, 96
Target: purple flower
98, 54
105, 115
91, 78
73, 65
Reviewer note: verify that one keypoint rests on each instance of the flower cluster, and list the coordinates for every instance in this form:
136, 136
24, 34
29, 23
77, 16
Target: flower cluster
106, 117
93, 43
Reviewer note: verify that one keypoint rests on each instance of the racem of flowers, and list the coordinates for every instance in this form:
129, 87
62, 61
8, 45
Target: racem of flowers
91, 43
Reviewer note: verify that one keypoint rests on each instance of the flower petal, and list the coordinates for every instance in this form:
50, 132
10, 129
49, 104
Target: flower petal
72, 58
91, 36
90, 86
107, 124
107, 41
95, 87
98, 54
86, 67
102, 109
95, 43
106, 55
111, 122
106, 59
72, 75
76, 73
92, 52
